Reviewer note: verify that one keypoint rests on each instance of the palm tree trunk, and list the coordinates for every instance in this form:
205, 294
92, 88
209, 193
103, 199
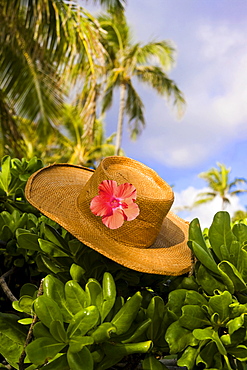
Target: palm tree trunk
120, 119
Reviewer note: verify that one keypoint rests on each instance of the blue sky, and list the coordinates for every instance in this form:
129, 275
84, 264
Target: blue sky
211, 69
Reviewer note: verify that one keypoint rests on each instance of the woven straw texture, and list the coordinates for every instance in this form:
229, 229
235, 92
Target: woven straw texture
155, 242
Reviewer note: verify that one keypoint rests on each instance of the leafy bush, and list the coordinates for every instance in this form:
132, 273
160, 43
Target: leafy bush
210, 328
77, 307
106, 312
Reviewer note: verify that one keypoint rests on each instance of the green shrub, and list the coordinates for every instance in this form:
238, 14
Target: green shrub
210, 327
77, 307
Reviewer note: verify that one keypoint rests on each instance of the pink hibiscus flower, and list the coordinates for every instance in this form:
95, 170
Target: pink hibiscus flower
115, 204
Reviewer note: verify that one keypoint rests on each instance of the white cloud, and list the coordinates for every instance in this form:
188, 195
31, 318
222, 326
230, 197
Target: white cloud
216, 94
220, 40
204, 212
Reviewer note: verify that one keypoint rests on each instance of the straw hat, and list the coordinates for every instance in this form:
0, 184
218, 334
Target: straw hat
154, 242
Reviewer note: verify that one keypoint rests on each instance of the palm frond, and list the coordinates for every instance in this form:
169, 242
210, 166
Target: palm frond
113, 80
237, 181
116, 5
10, 136
202, 201
156, 78
117, 36
162, 51
237, 192
107, 99
135, 111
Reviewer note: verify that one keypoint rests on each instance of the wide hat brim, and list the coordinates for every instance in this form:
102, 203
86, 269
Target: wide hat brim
54, 190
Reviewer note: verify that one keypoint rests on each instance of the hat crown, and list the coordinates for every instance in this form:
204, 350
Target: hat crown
154, 198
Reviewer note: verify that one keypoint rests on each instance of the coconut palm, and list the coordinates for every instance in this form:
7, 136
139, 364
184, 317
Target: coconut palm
128, 61
220, 185
78, 147
43, 45
239, 216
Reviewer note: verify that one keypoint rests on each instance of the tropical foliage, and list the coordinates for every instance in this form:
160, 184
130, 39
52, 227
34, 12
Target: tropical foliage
53, 50
127, 60
220, 185
70, 305
47, 46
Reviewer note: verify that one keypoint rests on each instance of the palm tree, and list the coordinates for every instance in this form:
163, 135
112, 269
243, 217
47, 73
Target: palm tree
239, 216
78, 147
218, 181
128, 60
44, 46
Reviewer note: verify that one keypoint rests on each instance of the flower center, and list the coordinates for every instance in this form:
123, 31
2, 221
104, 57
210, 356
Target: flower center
114, 203
117, 203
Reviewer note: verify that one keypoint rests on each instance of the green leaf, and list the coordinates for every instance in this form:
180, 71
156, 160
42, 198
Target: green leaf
188, 358
240, 352
139, 331
206, 355
77, 272
119, 349
50, 266
150, 363
155, 312
42, 349
83, 321
25, 304
220, 303
12, 339
103, 332
57, 331
193, 317
126, 315
179, 338
54, 289
54, 237
235, 324
6, 234
76, 343
235, 253
176, 300
98, 355
240, 231
205, 334
203, 257
51, 249
94, 291
27, 321
75, 246
193, 297
195, 234
27, 240
75, 360
47, 310
28, 289
242, 264
5, 174
40, 330
75, 296
233, 274
227, 281
59, 363
109, 294
207, 281
109, 361
220, 232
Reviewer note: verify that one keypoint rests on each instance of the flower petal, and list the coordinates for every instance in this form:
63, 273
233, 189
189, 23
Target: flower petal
126, 191
108, 188
100, 207
132, 211
115, 220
